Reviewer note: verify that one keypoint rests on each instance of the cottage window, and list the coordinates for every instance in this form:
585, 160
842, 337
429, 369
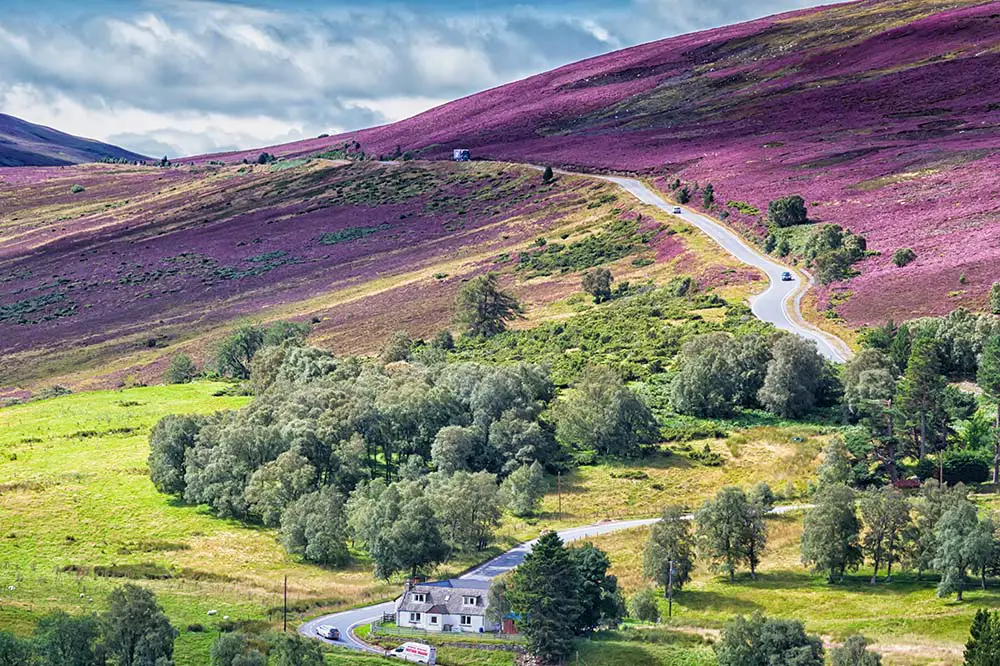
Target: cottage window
466, 620
419, 597
470, 601
434, 619
414, 617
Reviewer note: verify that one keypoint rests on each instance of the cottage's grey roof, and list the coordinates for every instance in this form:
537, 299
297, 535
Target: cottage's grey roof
445, 597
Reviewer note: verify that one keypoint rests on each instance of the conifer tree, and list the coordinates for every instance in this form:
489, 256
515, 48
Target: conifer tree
545, 593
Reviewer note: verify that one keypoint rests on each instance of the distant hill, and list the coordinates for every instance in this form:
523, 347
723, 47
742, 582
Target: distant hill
883, 114
26, 144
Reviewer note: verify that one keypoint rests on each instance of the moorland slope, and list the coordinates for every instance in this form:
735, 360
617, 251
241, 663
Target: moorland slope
26, 144
882, 114
108, 270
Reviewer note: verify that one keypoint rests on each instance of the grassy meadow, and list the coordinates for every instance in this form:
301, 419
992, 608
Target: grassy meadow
78, 516
906, 620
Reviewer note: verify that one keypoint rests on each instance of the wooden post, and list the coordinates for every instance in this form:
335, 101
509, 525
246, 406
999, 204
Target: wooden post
559, 490
284, 608
670, 590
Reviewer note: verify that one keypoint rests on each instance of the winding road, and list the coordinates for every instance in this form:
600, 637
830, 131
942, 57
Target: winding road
778, 304
349, 620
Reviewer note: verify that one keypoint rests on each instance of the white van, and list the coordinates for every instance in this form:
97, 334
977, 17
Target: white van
417, 653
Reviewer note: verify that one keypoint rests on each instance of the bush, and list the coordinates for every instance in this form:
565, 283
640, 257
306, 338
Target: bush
182, 370
995, 298
903, 256
959, 467
684, 195
76, 189
787, 212
707, 457
644, 606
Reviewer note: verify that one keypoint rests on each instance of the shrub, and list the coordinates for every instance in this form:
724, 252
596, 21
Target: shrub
707, 457
182, 370
787, 211
903, 256
683, 195
995, 298
547, 175
959, 467
708, 195
760, 640
597, 283
76, 189
644, 606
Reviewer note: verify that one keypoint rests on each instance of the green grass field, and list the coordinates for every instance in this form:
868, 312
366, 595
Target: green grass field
76, 501
78, 516
905, 618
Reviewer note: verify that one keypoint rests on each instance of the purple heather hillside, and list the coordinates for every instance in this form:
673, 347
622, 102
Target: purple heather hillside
883, 114
24, 144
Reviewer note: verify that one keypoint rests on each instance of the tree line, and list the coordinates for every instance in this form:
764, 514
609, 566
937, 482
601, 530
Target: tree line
389, 454
135, 631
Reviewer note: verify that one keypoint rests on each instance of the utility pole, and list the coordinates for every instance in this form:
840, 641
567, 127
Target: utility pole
559, 489
670, 590
284, 608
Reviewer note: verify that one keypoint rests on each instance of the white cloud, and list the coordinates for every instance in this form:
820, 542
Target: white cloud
194, 76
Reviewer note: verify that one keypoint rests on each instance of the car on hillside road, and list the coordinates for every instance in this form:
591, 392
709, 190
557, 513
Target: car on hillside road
677, 210
787, 276
328, 632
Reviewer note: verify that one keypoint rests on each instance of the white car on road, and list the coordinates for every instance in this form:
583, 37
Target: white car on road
677, 210
328, 632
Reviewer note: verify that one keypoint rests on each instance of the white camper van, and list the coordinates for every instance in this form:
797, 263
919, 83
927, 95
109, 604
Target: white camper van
417, 653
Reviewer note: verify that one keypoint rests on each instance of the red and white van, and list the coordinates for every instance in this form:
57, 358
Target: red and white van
416, 653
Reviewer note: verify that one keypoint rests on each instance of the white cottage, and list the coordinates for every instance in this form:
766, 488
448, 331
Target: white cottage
447, 605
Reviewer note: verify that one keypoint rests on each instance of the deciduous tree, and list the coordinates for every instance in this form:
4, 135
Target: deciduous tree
522, 491
314, 526
760, 641
603, 415
793, 377
830, 534
644, 606
988, 378
886, 516
135, 630
955, 535
597, 283
670, 540
854, 652
731, 531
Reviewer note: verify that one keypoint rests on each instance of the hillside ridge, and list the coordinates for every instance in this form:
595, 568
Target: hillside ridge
25, 144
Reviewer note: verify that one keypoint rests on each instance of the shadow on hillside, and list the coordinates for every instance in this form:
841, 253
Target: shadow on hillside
704, 600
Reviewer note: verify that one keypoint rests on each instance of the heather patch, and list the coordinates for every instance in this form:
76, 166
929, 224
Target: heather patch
46, 307
618, 239
350, 233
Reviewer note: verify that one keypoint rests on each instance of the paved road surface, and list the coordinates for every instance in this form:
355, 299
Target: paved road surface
346, 621
779, 304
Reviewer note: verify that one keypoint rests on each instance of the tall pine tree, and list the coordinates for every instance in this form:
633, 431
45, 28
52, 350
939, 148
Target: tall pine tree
988, 378
545, 595
922, 388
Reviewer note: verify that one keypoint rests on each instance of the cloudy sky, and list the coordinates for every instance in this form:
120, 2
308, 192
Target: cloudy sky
180, 77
